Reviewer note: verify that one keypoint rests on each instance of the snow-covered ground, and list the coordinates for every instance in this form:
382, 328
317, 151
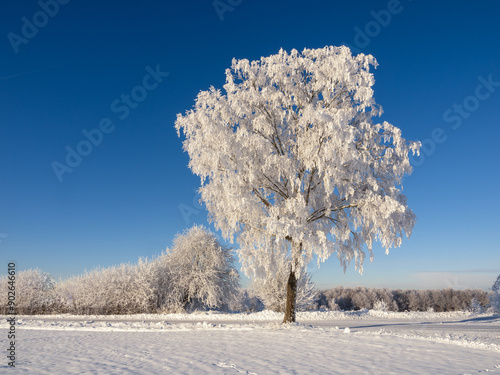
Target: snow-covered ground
324, 342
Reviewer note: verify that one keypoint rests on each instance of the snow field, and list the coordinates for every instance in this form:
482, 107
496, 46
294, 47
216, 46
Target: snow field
175, 344
267, 315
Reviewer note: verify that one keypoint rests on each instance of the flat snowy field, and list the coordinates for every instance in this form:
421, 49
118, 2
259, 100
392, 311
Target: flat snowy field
328, 342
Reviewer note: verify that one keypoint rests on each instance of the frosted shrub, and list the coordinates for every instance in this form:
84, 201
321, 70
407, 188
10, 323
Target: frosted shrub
475, 307
496, 286
202, 273
495, 302
333, 306
123, 289
198, 271
35, 292
494, 297
380, 306
247, 302
162, 282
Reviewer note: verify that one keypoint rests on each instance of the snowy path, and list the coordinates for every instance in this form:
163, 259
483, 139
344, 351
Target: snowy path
374, 345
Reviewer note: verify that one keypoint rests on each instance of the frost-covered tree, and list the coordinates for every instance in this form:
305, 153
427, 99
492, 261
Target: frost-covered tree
496, 285
35, 292
272, 289
495, 296
291, 161
201, 270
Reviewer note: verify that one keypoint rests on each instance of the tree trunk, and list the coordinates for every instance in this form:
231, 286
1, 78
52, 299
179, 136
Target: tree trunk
291, 295
291, 287
185, 300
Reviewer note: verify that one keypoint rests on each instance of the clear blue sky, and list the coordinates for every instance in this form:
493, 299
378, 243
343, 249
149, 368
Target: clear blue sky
65, 72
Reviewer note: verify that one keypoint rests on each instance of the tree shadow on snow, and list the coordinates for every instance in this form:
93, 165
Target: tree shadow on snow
493, 318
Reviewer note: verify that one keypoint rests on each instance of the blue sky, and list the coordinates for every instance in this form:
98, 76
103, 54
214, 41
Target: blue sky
127, 68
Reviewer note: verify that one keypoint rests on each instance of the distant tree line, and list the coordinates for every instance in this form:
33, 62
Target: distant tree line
439, 300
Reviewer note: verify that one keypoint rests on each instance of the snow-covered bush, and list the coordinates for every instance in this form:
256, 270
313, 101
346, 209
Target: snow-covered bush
201, 271
272, 290
494, 299
246, 301
197, 272
494, 296
380, 305
496, 286
161, 282
123, 289
475, 307
321, 302
35, 292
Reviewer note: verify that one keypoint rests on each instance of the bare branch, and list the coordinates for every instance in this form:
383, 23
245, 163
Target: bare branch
259, 195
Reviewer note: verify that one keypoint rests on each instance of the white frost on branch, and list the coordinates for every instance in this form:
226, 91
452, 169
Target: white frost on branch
291, 162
